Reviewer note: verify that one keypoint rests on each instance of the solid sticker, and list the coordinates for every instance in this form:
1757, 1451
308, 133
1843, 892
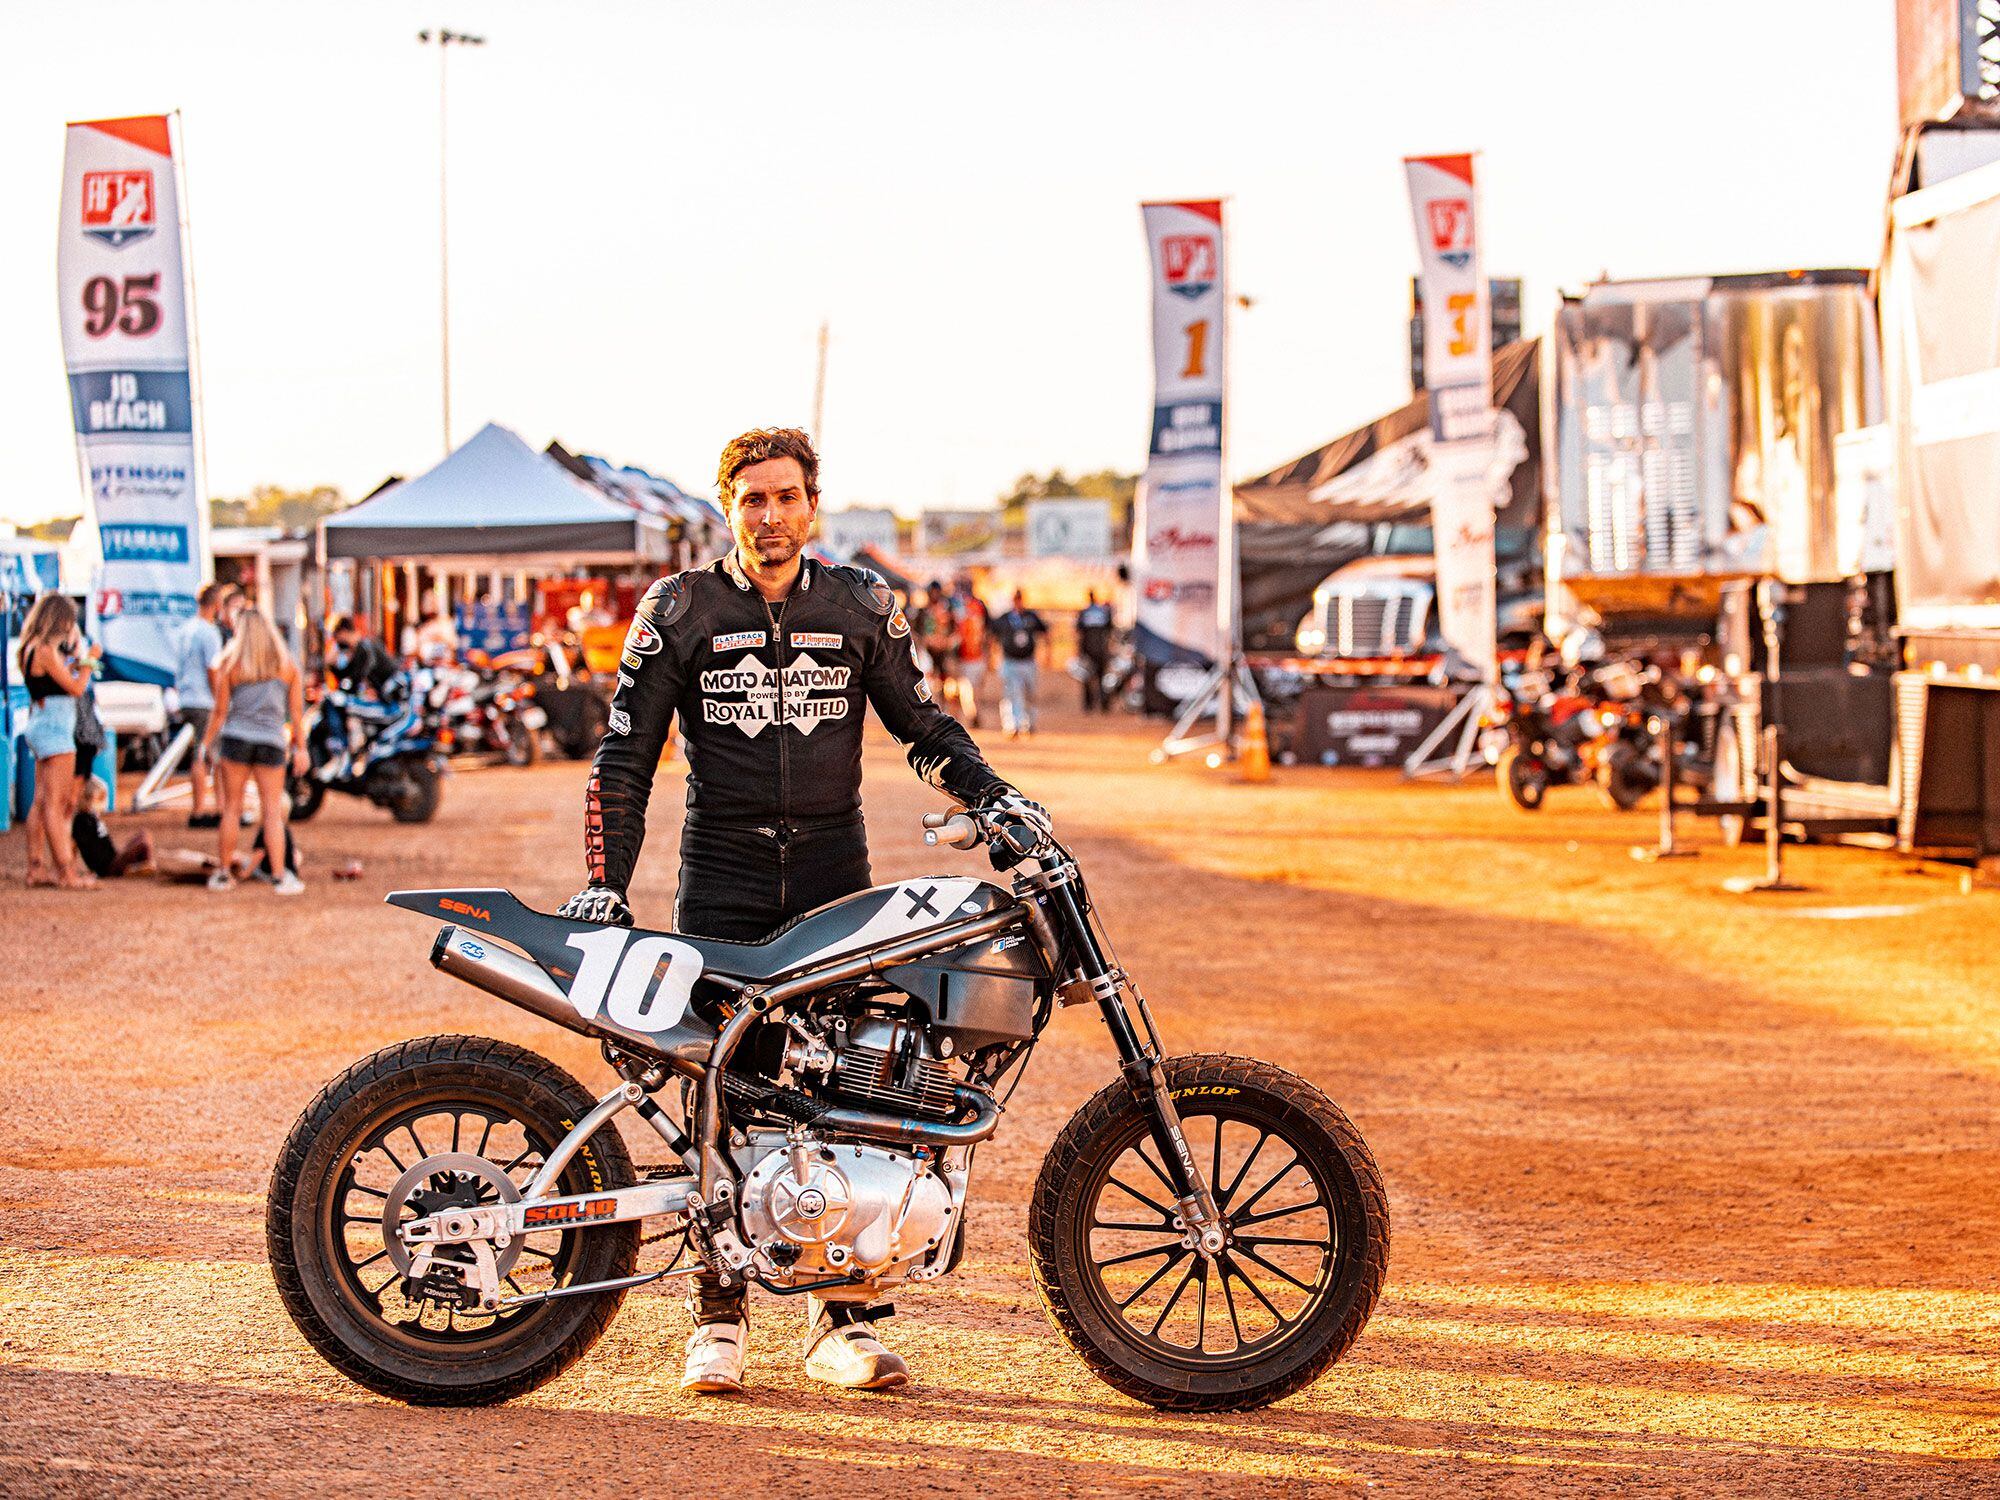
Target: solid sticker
736, 640
899, 624
620, 721
811, 640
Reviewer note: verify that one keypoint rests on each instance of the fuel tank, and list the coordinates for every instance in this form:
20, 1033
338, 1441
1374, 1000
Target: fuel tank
981, 992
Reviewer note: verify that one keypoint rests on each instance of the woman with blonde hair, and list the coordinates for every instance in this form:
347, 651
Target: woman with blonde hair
259, 724
54, 682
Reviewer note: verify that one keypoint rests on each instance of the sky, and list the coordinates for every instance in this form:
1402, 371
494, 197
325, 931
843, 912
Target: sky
654, 206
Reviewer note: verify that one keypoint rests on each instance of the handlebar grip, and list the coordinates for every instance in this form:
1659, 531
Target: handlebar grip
957, 830
937, 820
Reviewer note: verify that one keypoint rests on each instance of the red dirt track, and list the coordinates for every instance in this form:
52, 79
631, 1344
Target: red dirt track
1692, 1193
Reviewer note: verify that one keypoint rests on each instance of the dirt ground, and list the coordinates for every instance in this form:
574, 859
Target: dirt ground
1692, 1192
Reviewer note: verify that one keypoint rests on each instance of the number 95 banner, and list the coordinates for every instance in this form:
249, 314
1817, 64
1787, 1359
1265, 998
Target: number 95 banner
125, 341
1178, 520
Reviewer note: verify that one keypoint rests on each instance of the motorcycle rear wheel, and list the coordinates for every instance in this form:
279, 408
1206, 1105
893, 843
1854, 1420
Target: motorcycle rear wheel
1289, 1294
416, 800
339, 1174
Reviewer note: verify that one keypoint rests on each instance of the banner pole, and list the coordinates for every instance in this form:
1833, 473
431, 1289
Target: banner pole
202, 521
1228, 623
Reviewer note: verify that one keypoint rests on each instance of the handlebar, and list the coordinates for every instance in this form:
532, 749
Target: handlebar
955, 829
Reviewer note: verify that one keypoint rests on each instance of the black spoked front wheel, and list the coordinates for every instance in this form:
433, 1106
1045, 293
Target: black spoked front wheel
447, 1122
1307, 1239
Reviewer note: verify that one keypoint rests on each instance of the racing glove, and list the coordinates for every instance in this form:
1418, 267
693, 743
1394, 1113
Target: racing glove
1014, 808
1011, 804
599, 904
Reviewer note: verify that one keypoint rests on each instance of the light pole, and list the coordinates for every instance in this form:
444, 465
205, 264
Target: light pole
444, 41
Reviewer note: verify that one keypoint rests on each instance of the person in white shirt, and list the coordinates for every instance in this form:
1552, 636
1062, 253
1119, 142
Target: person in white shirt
194, 692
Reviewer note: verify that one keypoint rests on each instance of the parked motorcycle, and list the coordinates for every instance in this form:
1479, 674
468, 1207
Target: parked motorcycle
575, 701
1542, 734
1595, 727
493, 713
454, 1220
389, 753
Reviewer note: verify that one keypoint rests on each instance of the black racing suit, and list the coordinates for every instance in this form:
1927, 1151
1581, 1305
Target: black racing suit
771, 699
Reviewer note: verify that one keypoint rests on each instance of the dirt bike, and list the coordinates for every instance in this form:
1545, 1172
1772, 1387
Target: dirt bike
454, 1221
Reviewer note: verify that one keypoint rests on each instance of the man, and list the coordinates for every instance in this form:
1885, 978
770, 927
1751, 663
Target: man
937, 629
1093, 644
362, 668
1020, 633
768, 659
194, 692
973, 646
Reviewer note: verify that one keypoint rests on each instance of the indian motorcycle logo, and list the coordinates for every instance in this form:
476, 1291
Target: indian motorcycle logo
747, 695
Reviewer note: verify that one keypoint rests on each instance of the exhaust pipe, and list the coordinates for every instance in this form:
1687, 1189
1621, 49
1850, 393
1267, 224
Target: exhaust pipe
504, 974
907, 1131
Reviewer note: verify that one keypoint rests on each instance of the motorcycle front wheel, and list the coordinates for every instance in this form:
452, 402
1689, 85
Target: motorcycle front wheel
307, 793
1627, 777
1308, 1239
447, 1121
1522, 777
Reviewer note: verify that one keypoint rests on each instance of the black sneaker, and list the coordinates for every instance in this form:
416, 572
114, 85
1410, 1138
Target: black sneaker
205, 820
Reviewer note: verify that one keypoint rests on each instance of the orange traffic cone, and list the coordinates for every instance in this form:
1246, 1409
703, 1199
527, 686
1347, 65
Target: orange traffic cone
1253, 761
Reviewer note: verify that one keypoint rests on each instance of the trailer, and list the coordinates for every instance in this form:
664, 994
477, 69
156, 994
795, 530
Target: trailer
1719, 505
1940, 313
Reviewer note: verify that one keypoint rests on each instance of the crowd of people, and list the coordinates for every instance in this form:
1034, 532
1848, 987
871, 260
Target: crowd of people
236, 688
958, 638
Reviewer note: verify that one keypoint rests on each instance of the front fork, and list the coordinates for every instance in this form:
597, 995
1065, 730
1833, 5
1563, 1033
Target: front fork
1139, 1061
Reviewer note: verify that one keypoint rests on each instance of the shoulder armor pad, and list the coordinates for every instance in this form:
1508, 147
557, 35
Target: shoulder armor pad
666, 601
867, 585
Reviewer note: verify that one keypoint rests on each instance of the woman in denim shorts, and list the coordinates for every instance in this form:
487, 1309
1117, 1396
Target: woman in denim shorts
259, 726
54, 684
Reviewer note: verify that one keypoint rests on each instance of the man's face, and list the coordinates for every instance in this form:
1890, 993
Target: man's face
771, 514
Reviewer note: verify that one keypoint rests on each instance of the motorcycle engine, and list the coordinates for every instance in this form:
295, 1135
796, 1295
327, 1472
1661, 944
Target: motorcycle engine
844, 1208
822, 1206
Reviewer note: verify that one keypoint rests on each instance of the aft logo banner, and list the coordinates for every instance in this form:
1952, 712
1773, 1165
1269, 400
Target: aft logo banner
123, 305
1458, 319
1176, 553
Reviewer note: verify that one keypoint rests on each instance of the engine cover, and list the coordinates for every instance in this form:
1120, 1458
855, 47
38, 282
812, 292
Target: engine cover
847, 1208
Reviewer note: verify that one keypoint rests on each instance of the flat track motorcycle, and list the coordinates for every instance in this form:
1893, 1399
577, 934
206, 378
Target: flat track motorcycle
454, 1221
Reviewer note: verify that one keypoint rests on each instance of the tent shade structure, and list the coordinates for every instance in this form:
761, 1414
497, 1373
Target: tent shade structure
494, 496
1304, 519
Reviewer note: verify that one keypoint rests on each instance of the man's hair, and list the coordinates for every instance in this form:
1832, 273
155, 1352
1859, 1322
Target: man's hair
207, 595
759, 445
344, 623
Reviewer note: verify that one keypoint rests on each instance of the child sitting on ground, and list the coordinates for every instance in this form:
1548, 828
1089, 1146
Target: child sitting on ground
101, 855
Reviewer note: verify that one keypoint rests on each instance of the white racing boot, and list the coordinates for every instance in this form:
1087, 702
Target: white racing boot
849, 1355
715, 1358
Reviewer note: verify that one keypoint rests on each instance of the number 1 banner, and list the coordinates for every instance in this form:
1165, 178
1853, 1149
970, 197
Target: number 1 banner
1458, 372
125, 341
1178, 519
